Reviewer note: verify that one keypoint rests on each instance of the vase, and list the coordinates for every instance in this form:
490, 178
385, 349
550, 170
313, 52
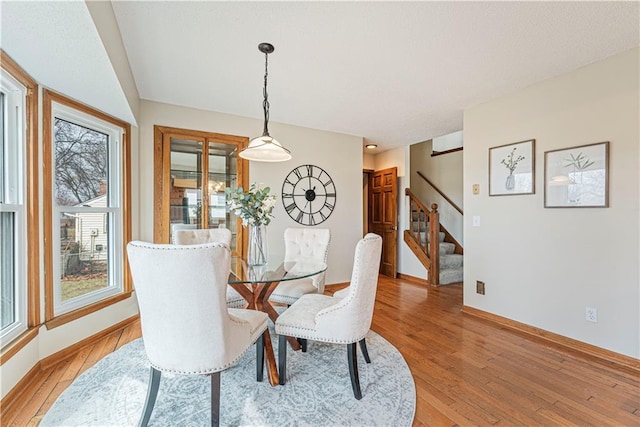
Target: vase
510, 183
257, 253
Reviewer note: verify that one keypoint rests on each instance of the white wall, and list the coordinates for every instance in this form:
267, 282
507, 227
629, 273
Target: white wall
399, 157
368, 161
339, 155
445, 172
448, 142
542, 267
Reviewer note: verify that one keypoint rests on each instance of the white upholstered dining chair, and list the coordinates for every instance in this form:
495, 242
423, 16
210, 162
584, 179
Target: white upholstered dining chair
210, 235
180, 226
187, 327
337, 320
303, 244
202, 235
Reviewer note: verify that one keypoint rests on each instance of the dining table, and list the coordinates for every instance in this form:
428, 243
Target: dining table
256, 283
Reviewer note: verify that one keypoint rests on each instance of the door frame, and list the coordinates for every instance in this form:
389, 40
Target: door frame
394, 232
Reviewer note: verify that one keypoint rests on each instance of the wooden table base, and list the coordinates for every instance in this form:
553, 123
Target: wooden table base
257, 297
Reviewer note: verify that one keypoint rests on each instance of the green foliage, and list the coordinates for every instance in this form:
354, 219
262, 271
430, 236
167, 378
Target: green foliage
253, 206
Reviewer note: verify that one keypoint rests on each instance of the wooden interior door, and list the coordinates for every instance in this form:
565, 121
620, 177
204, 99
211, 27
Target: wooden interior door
383, 216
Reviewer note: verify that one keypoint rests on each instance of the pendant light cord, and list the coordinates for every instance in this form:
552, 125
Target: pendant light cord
265, 103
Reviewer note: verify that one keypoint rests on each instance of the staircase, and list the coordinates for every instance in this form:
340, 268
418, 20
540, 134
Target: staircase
443, 257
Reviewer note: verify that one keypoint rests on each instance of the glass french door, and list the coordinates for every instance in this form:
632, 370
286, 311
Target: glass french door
192, 171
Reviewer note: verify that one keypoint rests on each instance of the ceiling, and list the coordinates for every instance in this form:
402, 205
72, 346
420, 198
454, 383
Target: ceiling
395, 73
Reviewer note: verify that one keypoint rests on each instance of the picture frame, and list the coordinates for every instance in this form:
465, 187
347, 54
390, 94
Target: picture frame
512, 169
577, 177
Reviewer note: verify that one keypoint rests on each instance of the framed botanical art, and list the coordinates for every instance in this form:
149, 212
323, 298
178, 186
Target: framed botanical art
577, 177
512, 169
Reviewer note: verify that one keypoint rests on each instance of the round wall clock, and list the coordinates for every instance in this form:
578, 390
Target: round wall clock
308, 194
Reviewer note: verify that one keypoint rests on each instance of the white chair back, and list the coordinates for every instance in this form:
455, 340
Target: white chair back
180, 226
206, 235
308, 244
181, 295
349, 319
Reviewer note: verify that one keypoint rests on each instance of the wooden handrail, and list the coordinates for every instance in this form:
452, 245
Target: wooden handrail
440, 153
441, 193
416, 200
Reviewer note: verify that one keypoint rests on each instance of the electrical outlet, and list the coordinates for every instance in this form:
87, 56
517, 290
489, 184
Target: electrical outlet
479, 287
591, 314
476, 188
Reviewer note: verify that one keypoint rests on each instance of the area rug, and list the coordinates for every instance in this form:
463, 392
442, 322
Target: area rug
318, 391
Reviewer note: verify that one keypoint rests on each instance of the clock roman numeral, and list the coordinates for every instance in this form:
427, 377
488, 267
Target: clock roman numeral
322, 215
290, 207
297, 173
312, 221
328, 205
299, 217
309, 170
287, 195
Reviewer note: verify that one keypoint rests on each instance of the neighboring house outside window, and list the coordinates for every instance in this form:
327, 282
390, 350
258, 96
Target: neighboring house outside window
86, 156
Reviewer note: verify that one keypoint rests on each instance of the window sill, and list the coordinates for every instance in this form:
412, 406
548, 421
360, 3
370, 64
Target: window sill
76, 314
18, 344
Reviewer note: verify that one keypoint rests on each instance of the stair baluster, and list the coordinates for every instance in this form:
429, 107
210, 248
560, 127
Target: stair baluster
434, 245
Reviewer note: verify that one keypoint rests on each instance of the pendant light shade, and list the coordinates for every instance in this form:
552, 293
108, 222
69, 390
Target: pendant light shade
265, 148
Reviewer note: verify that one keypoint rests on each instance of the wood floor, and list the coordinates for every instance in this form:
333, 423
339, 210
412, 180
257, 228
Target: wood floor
466, 371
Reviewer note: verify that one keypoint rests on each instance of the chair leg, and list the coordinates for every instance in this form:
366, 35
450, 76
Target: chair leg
282, 359
365, 352
352, 355
152, 393
215, 399
260, 357
303, 344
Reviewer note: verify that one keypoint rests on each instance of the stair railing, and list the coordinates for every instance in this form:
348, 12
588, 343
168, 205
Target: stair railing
444, 196
448, 236
429, 253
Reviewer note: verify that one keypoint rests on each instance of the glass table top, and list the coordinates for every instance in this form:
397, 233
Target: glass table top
274, 271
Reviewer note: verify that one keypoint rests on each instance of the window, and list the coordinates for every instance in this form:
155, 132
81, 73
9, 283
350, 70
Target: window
12, 209
19, 310
86, 153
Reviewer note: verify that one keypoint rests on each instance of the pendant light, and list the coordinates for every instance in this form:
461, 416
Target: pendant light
265, 148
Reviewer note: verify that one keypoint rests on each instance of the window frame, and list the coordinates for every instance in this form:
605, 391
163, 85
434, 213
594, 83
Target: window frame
57, 312
29, 230
13, 95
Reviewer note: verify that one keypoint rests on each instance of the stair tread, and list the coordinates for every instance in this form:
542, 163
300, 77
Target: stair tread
451, 275
450, 261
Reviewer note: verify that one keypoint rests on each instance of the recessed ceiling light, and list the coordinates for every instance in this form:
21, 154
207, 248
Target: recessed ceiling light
371, 146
